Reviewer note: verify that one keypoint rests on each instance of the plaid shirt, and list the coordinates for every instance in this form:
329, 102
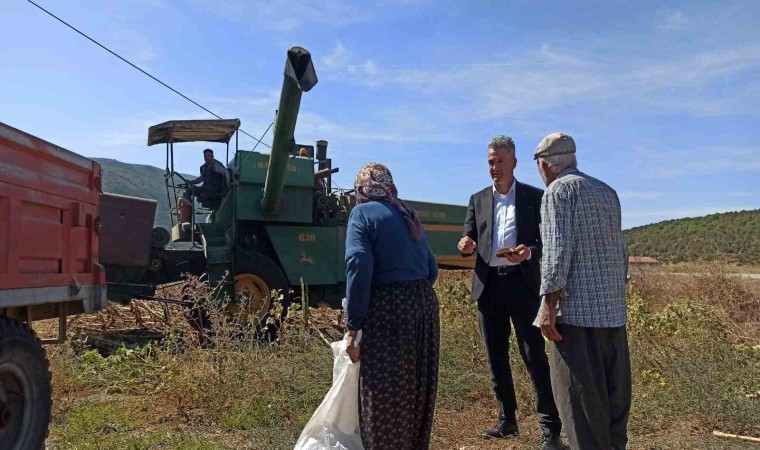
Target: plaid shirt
584, 254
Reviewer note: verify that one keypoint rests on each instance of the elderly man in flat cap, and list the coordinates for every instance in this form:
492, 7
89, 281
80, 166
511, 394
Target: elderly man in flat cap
583, 312
502, 227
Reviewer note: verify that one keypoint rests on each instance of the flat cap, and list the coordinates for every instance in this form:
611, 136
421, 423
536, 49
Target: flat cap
554, 144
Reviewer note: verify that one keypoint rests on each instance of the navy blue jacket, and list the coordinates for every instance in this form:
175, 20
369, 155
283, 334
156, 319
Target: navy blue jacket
380, 250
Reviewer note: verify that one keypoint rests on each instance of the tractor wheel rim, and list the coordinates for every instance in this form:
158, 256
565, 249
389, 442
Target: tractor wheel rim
15, 410
253, 295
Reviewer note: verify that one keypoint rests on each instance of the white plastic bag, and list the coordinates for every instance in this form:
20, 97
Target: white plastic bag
335, 423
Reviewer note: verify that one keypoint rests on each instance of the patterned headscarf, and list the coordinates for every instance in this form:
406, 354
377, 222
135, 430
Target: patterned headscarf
374, 182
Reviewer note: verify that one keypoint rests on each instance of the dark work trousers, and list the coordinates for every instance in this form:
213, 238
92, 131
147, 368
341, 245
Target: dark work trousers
508, 297
591, 377
201, 193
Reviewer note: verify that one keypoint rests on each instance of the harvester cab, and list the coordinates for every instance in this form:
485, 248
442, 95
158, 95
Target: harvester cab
186, 211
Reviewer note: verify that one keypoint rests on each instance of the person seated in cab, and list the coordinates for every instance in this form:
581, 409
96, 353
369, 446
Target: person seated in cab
215, 179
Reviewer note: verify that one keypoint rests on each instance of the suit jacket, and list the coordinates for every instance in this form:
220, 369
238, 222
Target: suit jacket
478, 225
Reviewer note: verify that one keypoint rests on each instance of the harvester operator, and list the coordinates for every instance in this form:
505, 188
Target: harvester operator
215, 179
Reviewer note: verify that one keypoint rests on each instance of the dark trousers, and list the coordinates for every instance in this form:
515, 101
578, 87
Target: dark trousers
508, 297
591, 377
201, 193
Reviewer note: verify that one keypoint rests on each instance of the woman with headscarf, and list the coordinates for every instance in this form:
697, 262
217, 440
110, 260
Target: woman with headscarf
390, 271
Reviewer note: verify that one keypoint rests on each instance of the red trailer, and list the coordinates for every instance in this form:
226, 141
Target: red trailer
49, 267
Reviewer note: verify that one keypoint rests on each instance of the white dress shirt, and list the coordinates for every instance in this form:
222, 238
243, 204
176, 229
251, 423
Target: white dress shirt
504, 224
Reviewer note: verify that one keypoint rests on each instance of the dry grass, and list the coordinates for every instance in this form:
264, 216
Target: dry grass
694, 344
733, 300
725, 265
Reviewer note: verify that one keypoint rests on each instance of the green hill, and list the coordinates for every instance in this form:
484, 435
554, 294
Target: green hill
138, 180
735, 235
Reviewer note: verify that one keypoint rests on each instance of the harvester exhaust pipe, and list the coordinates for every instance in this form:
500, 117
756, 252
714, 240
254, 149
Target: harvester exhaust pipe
300, 77
321, 150
325, 164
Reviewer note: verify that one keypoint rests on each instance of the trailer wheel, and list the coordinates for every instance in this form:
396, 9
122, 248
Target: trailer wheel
256, 276
24, 388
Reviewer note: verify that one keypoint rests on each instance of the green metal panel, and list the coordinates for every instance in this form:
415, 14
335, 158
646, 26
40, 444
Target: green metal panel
444, 246
214, 232
296, 205
439, 213
218, 255
316, 254
296, 202
443, 226
299, 171
224, 214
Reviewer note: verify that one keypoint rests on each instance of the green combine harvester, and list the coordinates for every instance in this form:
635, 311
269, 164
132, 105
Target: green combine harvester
281, 225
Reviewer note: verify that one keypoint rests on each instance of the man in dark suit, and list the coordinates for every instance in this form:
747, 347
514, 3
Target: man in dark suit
502, 225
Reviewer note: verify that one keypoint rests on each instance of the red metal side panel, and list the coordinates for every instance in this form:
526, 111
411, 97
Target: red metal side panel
49, 199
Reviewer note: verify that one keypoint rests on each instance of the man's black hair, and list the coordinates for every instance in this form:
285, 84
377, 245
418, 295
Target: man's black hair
209, 151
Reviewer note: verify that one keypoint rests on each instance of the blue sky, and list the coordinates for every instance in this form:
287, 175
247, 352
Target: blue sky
662, 98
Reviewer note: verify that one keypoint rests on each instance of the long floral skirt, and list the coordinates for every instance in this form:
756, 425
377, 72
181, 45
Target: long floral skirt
399, 367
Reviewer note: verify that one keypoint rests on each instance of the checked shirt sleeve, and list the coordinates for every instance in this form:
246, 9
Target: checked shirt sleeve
558, 239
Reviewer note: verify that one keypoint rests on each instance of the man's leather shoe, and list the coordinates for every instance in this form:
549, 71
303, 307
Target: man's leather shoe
503, 430
552, 441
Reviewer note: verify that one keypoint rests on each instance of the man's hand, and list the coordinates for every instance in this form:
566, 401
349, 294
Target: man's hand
353, 350
520, 254
466, 245
548, 317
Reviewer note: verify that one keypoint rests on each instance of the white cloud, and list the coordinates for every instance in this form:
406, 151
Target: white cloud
705, 160
675, 21
319, 126
134, 46
338, 57
547, 55
284, 15
665, 85
133, 129
241, 103
546, 77
371, 68
341, 62
144, 3
289, 15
